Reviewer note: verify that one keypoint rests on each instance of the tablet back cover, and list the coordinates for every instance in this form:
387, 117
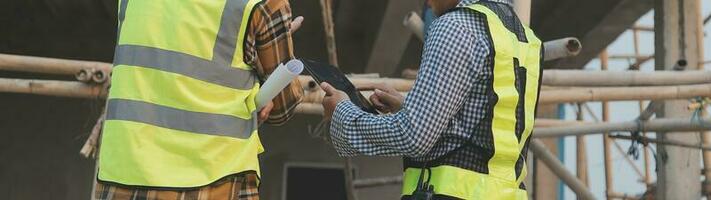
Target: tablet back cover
323, 72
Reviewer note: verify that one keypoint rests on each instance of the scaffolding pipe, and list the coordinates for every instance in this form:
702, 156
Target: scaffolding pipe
622, 196
543, 122
309, 108
561, 48
80, 90
562, 78
375, 182
607, 153
550, 77
643, 139
643, 28
581, 160
636, 66
327, 16
414, 23
624, 93
48, 65
542, 154
623, 78
72, 89
628, 56
595, 94
657, 125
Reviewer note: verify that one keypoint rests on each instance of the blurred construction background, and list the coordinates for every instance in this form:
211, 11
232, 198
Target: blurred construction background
42, 132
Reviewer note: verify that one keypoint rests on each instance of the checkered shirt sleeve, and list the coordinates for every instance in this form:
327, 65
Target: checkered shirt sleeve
452, 60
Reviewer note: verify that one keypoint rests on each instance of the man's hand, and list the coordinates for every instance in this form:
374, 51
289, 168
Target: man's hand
331, 100
385, 98
264, 113
296, 24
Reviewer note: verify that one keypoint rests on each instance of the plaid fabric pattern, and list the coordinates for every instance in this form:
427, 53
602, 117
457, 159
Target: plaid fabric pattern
236, 187
442, 118
268, 44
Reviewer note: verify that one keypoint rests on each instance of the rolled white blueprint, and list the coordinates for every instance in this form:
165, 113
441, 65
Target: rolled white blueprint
280, 78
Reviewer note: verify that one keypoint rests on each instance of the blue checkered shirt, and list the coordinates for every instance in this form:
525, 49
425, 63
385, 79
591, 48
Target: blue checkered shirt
445, 108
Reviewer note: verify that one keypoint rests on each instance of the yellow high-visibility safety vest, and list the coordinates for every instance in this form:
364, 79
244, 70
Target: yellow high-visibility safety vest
516, 75
181, 110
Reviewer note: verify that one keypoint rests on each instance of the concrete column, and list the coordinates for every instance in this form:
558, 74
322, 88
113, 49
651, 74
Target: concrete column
676, 23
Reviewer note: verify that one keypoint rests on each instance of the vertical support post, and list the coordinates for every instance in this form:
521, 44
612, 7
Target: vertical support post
327, 14
647, 174
581, 159
542, 153
675, 27
606, 140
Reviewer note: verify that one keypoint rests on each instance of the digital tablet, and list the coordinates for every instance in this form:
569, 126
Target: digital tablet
324, 72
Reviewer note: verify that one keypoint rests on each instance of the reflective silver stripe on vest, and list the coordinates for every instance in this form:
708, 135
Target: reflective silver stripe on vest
184, 64
225, 44
121, 17
182, 120
217, 71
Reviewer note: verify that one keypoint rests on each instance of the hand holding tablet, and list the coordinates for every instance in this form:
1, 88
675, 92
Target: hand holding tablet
326, 73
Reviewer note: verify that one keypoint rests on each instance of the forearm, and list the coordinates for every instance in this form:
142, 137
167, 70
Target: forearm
444, 81
355, 132
273, 46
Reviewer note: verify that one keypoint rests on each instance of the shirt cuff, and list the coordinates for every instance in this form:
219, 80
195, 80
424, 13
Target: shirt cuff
341, 133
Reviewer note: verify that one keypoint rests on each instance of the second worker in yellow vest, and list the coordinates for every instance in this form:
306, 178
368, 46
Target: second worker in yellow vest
464, 128
181, 118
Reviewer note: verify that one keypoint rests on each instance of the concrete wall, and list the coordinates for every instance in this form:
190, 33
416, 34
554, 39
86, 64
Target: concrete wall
40, 140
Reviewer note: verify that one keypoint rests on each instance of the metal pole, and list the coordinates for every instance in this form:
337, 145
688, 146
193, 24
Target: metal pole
665, 142
657, 125
327, 15
375, 182
636, 66
606, 137
621, 196
638, 27
581, 160
72, 89
539, 149
48, 65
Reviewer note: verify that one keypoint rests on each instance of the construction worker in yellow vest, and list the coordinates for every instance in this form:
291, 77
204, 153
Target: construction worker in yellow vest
464, 128
181, 120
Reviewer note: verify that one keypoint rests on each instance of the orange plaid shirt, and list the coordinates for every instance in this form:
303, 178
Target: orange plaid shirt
267, 45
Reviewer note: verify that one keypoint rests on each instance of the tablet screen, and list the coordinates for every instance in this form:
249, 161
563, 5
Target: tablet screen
324, 72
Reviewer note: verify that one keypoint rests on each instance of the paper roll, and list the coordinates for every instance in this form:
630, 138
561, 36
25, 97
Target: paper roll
280, 78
